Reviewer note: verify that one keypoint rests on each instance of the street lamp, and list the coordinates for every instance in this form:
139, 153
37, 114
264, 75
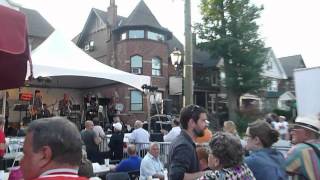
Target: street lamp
175, 57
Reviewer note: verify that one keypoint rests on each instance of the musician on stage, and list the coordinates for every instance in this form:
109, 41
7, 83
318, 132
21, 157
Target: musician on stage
65, 105
45, 112
37, 105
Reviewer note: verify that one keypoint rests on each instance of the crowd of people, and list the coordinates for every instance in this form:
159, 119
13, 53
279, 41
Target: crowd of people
55, 149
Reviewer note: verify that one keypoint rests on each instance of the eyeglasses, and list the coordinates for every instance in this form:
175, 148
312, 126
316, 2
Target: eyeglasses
247, 136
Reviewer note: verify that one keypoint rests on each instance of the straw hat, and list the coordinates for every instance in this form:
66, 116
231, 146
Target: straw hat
308, 122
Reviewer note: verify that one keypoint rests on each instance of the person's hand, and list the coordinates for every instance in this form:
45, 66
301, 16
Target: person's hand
163, 131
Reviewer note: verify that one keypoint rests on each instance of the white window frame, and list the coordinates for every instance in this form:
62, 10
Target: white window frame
136, 106
156, 71
136, 69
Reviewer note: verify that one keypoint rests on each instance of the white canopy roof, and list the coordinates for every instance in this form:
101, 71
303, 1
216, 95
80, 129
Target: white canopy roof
70, 67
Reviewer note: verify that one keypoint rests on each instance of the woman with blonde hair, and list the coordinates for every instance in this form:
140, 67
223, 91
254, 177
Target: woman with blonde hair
230, 127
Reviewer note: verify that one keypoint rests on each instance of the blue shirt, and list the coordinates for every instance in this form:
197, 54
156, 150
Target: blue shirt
266, 164
131, 164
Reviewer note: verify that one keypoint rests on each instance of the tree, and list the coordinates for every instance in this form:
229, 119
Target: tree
229, 32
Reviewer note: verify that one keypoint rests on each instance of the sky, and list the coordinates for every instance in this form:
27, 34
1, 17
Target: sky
290, 27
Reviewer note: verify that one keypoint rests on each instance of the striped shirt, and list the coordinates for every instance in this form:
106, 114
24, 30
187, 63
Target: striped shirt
303, 161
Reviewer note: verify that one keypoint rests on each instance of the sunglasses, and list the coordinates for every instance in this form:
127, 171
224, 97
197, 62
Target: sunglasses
194, 108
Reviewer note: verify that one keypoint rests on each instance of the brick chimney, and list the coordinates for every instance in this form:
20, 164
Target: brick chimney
112, 13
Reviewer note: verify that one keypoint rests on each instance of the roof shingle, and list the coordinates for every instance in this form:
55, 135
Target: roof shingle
290, 63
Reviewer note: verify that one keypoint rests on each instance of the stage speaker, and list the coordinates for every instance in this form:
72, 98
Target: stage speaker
167, 106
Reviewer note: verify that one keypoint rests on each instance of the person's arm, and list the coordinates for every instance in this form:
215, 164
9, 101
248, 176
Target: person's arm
132, 137
293, 160
192, 176
101, 132
120, 167
168, 137
96, 139
180, 162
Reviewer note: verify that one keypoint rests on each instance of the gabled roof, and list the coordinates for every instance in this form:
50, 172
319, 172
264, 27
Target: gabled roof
142, 16
290, 63
37, 25
276, 71
102, 15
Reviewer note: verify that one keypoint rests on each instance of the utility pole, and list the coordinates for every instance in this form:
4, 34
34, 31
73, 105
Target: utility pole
187, 65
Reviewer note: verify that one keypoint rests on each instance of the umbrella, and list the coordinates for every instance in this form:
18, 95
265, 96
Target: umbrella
14, 48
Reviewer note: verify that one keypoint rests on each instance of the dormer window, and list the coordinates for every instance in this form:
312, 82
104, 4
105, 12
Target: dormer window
136, 34
89, 46
123, 36
155, 36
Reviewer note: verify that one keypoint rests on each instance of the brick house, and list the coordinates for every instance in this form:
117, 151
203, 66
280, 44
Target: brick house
140, 45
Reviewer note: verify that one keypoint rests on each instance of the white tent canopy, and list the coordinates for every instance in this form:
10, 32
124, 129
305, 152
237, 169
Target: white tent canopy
67, 66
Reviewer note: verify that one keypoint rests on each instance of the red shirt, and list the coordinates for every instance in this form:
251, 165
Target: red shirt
61, 177
60, 174
2, 143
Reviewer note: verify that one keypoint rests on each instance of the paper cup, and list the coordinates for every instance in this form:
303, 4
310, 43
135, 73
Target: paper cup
106, 162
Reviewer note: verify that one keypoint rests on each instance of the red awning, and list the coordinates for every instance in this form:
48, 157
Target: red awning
14, 48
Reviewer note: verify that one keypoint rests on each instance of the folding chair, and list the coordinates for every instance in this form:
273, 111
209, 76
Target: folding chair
134, 175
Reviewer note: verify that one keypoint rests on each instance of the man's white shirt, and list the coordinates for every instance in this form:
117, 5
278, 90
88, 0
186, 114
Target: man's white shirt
173, 133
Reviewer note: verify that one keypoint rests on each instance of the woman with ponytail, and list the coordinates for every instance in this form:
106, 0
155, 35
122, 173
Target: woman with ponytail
265, 162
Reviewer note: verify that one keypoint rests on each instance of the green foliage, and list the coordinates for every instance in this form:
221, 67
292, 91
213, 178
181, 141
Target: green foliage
246, 117
230, 32
279, 112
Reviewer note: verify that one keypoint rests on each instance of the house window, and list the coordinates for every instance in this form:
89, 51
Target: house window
156, 66
136, 64
156, 98
123, 36
136, 101
136, 34
273, 86
155, 36
214, 78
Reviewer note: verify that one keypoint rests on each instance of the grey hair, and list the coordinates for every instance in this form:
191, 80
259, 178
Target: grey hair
227, 148
154, 144
138, 124
61, 135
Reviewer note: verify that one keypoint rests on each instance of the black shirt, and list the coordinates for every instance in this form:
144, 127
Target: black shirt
182, 157
116, 146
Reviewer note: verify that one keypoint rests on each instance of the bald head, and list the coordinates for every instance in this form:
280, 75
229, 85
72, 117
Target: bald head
88, 124
138, 124
131, 149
